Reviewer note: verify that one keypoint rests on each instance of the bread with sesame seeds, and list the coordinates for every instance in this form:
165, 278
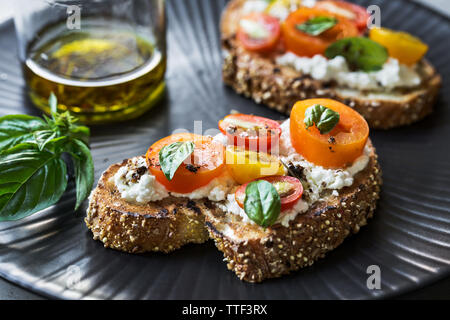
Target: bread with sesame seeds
279, 87
163, 225
256, 254
252, 252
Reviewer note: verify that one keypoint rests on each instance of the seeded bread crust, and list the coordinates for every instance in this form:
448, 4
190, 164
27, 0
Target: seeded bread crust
255, 254
158, 226
279, 87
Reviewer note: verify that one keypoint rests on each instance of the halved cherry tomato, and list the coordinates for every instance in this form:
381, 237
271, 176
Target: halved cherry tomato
245, 165
204, 164
353, 12
259, 32
289, 188
304, 44
251, 132
336, 149
403, 46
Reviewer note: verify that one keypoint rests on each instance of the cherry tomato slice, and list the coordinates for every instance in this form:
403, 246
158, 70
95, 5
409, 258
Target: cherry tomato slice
289, 188
402, 46
251, 132
259, 32
245, 165
204, 164
304, 44
336, 149
353, 12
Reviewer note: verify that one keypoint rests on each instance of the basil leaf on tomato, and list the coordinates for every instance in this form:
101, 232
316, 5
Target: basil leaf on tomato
317, 25
262, 203
360, 53
173, 155
324, 118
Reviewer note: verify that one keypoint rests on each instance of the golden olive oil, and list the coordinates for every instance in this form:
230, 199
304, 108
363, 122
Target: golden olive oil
103, 72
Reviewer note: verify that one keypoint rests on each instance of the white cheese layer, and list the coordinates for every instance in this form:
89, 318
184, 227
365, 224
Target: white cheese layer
254, 6
137, 188
142, 187
393, 74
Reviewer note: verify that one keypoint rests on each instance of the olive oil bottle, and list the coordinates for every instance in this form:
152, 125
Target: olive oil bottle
103, 72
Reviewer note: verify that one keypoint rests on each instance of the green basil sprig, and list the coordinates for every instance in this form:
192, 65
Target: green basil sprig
360, 53
262, 203
33, 175
317, 25
324, 118
173, 155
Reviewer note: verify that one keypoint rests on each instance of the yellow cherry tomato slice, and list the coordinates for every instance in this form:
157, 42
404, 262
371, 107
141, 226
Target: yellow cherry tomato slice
245, 165
402, 46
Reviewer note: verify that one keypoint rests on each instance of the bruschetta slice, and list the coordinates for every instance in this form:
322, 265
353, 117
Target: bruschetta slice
278, 56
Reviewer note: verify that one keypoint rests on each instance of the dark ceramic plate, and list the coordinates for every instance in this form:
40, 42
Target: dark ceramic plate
409, 238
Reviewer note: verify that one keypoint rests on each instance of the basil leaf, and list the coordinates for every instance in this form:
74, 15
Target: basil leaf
80, 133
317, 25
30, 180
173, 155
324, 118
43, 137
262, 203
16, 129
360, 53
84, 168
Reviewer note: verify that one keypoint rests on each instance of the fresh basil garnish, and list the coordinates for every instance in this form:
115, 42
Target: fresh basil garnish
33, 174
173, 155
324, 118
360, 53
262, 203
318, 25
30, 180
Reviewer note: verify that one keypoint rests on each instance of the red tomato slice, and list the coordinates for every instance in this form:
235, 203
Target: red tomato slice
289, 188
355, 13
266, 32
204, 164
251, 132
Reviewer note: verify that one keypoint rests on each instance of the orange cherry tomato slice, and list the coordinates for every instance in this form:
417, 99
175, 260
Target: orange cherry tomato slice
304, 44
336, 149
259, 32
289, 188
353, 12
251, 132
202, 166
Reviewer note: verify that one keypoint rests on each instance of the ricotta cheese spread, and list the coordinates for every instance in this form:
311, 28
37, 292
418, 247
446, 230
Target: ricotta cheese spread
393, 74
137, 185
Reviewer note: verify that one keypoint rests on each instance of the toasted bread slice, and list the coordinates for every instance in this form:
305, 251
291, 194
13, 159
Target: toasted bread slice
164, 225
252, 252
255, 254
279, 87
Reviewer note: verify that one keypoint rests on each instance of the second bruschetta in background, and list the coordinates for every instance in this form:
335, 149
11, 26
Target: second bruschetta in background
281, 51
